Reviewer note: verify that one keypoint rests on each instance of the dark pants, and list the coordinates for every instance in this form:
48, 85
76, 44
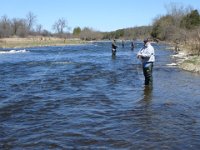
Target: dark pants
147, 71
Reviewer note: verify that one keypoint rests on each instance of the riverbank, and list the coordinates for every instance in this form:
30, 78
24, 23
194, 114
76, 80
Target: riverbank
187, 62
16, 42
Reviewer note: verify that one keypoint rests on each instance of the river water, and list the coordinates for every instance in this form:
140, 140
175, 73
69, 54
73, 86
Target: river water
80, 97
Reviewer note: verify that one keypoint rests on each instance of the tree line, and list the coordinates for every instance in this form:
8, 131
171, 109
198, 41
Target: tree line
181, 25
23, 27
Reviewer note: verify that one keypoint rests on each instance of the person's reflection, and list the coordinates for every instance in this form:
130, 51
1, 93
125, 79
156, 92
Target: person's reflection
146, 119
113, 57
147, 93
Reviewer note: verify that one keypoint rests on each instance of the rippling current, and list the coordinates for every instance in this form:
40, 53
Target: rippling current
80, 97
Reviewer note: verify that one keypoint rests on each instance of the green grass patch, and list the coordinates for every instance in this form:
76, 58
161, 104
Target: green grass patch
194, 60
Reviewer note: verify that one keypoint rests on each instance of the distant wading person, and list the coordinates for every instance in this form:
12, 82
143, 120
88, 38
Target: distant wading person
147, 56
114, 47
132, 45
177, 46
123, 44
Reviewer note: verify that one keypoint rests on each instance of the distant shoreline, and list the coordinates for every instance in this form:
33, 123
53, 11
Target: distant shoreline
16, 42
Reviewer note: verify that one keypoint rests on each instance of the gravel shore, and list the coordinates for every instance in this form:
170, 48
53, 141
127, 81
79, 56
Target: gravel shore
187, 62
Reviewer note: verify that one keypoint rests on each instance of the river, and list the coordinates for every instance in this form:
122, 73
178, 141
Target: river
80, 97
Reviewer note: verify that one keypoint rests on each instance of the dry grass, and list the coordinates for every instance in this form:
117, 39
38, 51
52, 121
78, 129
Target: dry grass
187, 59
192, 64
36, 41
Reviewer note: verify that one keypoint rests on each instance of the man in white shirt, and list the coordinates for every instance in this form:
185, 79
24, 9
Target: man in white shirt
147, 57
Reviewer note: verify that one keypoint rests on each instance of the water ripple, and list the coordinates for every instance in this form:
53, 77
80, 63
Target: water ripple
85, 99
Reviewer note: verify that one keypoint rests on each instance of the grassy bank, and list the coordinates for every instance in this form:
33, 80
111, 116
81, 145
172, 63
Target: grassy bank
36, 41
192, 63
187, 60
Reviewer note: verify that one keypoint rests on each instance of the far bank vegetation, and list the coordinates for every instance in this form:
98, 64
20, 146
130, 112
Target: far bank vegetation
180, 26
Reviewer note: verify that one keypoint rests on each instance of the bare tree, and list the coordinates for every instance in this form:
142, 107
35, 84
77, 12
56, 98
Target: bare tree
19, 26
60, 25
15, 25
31, 20
5, 27
39, 29
23, 29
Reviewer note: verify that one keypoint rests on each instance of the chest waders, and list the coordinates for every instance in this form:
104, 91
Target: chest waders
147, 71
113, 52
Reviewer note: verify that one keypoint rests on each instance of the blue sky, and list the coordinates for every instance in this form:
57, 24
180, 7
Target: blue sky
101, 15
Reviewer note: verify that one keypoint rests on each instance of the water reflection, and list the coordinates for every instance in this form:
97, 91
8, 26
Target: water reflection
146, 110
147, 93
147, 97
113, 57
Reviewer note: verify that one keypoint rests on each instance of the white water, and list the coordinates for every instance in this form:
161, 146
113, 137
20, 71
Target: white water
14, 51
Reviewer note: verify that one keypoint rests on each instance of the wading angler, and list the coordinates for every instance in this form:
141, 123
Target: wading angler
147, 56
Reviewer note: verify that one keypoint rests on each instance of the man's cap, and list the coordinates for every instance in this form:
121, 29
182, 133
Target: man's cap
146, 40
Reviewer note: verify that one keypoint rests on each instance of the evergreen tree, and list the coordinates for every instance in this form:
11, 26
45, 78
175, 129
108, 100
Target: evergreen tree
77, 31
191, 20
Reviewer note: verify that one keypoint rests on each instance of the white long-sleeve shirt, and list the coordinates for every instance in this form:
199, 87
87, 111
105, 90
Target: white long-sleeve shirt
147, 53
